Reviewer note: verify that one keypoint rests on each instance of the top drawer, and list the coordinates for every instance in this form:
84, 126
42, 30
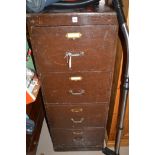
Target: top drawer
92, 48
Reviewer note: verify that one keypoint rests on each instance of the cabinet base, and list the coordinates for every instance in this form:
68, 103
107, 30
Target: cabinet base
70, 148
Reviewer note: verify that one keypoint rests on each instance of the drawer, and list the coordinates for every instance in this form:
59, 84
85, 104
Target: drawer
92, 48
80, 137
75, 116
84, 87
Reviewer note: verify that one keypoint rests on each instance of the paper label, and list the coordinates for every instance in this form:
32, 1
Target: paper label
74, 19
73, 35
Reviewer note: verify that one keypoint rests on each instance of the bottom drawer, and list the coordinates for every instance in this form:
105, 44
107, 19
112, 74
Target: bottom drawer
87, 137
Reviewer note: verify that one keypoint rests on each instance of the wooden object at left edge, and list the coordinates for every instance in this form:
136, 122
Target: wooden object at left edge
36, 113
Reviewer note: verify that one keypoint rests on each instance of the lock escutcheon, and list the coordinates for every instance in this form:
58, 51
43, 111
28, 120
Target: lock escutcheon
69, 56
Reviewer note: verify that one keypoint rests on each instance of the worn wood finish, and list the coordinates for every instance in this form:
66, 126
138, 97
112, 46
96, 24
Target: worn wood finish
51, 45
75, 116
78, 148
86, 137
102, 15
84, 19
91, 92
59, 88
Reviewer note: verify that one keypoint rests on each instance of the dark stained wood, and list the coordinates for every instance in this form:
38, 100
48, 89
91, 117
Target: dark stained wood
94, 87
50, 46
83, 18
82, 130
102, 15
60, 148
83, 138
35, 112
36, 134
35, 108
75, 116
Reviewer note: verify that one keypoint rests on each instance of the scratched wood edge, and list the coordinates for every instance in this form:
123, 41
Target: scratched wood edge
114, 92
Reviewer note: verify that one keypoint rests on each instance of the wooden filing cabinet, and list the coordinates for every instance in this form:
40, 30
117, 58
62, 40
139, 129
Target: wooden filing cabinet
74, 53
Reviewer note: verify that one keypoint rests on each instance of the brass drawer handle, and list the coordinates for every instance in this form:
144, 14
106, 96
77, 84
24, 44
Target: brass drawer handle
77, 132
75, 121
76, 110
78, 139
80, 92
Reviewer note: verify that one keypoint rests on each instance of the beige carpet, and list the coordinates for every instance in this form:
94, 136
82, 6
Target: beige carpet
45, 146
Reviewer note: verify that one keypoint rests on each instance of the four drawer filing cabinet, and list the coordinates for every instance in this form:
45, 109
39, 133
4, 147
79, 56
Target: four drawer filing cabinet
74, 53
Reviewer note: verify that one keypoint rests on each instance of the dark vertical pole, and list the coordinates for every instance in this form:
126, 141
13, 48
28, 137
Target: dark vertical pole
122, 23
121, 19
124, 94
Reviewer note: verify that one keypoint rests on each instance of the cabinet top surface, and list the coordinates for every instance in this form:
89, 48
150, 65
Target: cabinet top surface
98, 9
92, 15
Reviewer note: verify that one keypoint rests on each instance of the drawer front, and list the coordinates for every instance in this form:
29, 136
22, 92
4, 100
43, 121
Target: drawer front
92, 48
78, 137
75, 116
57, 19
76, 87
